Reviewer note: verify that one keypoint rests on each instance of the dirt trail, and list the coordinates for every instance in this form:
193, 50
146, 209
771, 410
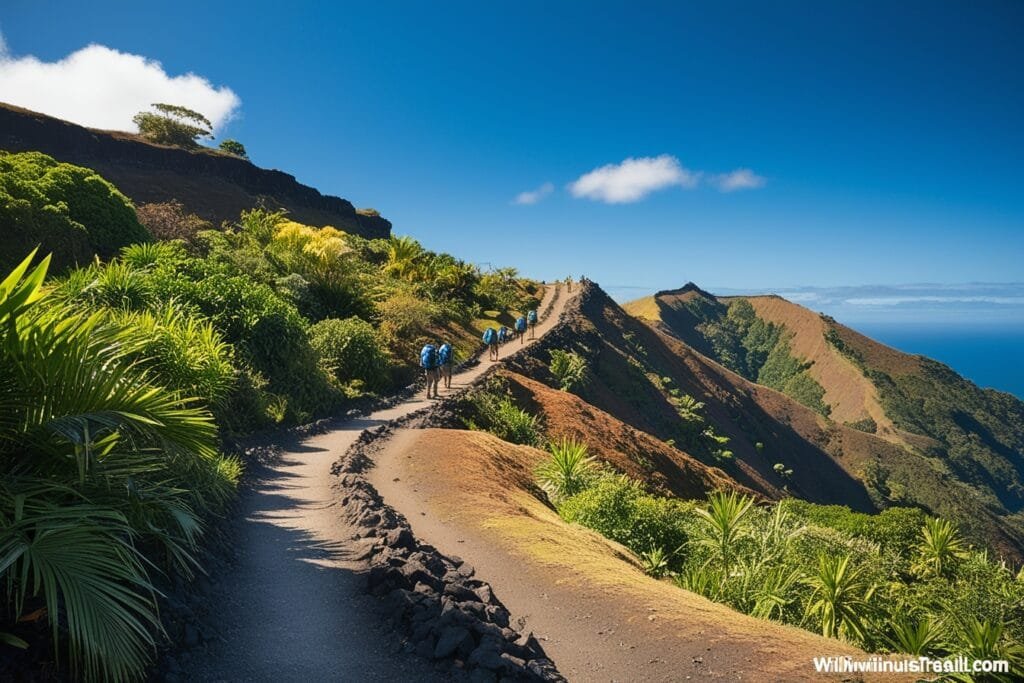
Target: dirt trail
294, 606
595, 612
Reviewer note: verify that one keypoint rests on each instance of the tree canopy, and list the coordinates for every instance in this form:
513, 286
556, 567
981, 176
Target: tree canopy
174, 125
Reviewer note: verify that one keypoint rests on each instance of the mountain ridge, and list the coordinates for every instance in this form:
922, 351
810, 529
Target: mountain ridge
213, 185
953, 447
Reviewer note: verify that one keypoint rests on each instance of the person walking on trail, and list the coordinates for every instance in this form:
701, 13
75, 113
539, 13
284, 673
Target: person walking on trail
491, 340
568, 283
430, 363
504, 334
531, 318
521, 329
446, 358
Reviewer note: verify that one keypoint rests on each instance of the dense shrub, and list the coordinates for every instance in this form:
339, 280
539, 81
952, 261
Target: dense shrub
183, 353
105, 475
618, 508
350, 351
70, 211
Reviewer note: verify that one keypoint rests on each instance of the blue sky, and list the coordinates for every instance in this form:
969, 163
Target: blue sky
876, 143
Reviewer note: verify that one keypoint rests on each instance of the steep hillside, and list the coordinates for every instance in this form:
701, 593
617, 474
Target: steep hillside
661, 466
644, 378
943, 432
215, 186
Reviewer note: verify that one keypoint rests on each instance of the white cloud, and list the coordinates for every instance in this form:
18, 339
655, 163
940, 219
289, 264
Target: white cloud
633, 179
740, 179
534, 196
99, 87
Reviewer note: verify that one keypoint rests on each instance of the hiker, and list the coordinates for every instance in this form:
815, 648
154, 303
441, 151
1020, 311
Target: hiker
429, 362
504, 334
491, 340
521, 329
446, 358
568, 283
531, 318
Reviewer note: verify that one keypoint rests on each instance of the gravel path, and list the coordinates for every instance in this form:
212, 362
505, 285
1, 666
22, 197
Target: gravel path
294, 606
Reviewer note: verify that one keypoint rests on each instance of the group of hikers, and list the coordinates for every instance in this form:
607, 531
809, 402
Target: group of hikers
437, 359
493, 339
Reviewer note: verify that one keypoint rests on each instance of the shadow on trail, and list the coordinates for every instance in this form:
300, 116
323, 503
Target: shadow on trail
293, 607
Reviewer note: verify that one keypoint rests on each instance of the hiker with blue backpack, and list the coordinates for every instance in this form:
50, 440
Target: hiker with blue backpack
531, 318
430, 363
491, 340
521, 329
446, 358
504, 334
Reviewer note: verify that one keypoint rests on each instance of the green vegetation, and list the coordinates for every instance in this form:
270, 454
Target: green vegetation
568, 368
118, 378
68, 211
978, 433
756, 349
106, 473
896, 581
351, 352
493, 410
569, 470
619, 508
173, 125
234, 148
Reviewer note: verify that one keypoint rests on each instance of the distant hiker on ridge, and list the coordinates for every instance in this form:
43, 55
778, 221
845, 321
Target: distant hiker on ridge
491, 340
429, 362
445, 357
521, 329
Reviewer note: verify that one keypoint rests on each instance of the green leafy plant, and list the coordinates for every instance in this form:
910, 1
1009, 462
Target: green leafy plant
925, 636
568, 368
97, 463
655, 562
723, 524
939, 548
498, 414
569, 469
841, 601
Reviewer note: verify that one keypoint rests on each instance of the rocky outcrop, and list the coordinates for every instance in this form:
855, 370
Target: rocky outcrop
213, 185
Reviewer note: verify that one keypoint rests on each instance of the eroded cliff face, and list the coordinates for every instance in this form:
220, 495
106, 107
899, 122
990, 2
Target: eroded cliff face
215, 186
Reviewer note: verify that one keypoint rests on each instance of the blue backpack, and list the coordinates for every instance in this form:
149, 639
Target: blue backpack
444, 354
489, 336
532, 317
503, 334
521, 324
428, 357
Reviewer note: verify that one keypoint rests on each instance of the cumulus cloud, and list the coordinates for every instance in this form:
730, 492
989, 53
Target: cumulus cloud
740, 179
633, 179
534, 196
99, 87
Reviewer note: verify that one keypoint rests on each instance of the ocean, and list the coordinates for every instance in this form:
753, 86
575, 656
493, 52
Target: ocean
988, 356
